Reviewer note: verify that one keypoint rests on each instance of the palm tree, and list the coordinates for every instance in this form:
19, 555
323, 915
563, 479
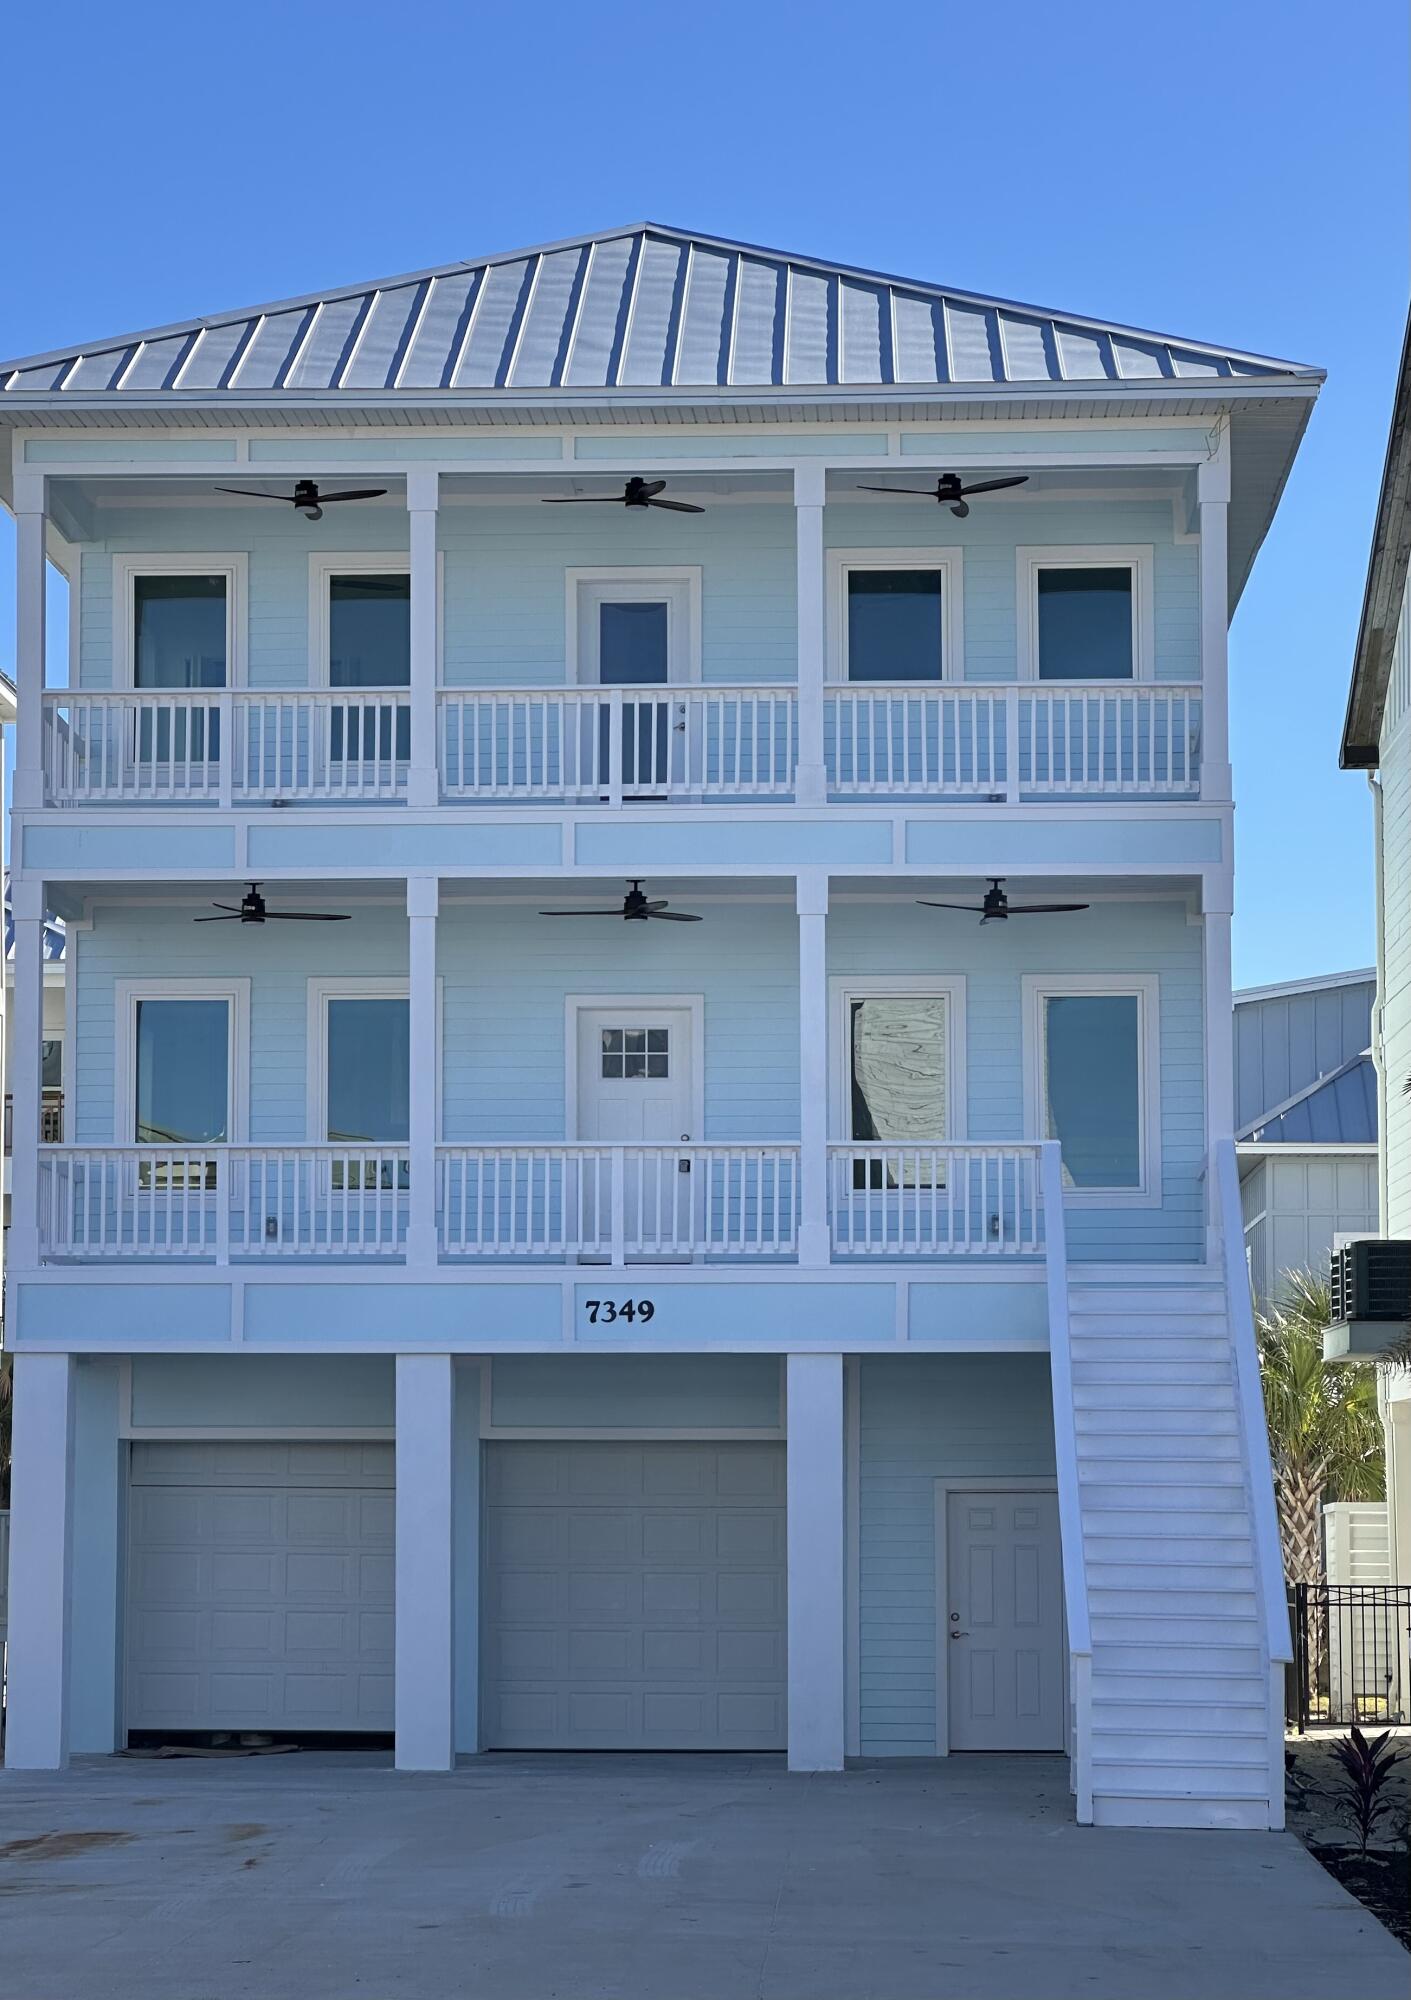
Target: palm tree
1325, 1434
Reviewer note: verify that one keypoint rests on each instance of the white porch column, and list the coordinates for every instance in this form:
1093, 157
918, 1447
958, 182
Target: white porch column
30, 584
1213, 496
423, 495
811, 892
24, 1069
1219, 1049
41, 1537
817, 1597
811, 782
425, 1649
423, 903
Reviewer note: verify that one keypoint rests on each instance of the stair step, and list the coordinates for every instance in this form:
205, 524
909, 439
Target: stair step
1173, 1655
1193, 1610
1142, 1808
1201, 1538
1197, 1719
1159, 1421
1139, 1372
1188, 1471
1145, 1301
1180, 1690
1218, 1578
1164, 1628
1104, 1496
1178, 1398
1174, 1781
1194, 1447
1191, 1348
1240, 1750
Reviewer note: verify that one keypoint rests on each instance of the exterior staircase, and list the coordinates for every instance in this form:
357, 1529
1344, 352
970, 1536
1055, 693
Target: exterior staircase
1179, 1724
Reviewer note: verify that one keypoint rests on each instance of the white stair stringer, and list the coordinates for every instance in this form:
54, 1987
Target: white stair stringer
1179, 1723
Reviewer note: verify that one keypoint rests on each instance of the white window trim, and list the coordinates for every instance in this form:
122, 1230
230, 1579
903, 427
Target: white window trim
233, 567
843, 990
637, 1003
950, 561
681, 586
1145, 987
350, 987
365, 562
126, 995
1138, 557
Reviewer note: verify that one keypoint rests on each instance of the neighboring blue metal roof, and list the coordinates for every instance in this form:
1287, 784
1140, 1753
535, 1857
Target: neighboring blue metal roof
1292, 1036
1340, 1109
630, 308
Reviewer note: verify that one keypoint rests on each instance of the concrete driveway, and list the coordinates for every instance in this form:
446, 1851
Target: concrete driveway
636, 1878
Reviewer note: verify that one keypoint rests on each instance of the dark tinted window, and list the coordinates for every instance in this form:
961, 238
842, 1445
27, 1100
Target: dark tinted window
894, 624
1085, 624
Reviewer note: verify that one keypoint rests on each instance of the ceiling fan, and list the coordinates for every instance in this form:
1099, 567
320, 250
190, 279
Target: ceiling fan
306, 498
636, 493
950, 491
251, 910
997, 908
636, 908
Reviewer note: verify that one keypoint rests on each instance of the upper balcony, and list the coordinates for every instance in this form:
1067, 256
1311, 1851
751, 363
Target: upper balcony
811, 636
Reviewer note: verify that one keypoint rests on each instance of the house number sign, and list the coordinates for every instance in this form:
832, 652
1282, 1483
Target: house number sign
603, 1312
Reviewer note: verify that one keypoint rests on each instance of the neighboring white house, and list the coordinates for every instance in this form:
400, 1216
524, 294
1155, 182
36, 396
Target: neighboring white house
1377, 739
821, 1327
1305, 1120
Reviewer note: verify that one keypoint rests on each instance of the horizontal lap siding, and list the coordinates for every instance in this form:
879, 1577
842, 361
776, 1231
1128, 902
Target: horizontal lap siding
924, 1418
504, 589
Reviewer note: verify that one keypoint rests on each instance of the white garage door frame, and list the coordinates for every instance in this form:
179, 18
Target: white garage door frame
346, 1605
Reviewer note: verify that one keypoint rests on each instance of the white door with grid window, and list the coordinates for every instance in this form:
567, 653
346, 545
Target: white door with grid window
635, 1090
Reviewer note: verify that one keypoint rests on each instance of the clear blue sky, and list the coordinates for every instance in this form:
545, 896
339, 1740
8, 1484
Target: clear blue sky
1227, 172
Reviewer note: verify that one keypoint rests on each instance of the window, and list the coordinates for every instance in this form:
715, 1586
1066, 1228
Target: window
51, 1062
640, 1052
1085, 614
1092, 1060
369, 630
367, 1053
180, 1047
894, 615
897, 1067
178, 621
633, 642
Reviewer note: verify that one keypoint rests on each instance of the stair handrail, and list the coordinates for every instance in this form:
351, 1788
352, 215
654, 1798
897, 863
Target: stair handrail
1250, 1395
1065, 1451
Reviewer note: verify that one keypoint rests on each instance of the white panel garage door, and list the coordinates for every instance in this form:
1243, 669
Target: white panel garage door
260, 1587
634, 1597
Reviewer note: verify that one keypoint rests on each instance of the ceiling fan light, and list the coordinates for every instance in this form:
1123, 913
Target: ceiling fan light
312, 513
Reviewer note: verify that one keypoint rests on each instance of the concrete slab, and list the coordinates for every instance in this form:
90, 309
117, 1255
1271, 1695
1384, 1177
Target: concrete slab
647, 1878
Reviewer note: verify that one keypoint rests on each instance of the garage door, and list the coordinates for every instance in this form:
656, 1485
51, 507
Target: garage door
634, 1597
260, 1587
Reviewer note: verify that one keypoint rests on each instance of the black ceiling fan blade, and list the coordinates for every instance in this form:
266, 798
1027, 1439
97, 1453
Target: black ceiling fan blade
971, 909
580, 913
580, 500
236, 919
920, 492
673, 917
306, 917
677, 506
1043, 909
354, 493
244, 493
997, 485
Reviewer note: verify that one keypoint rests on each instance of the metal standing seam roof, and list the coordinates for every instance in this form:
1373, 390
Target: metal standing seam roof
1339, 1109
629, 308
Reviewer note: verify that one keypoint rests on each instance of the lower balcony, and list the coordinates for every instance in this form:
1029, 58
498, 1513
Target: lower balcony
536, 1204
577, 746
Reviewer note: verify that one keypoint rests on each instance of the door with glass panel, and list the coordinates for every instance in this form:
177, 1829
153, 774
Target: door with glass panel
179, 646
369, 650
367, 1085
181, 1106
631, 636
893, 1191
635, 1091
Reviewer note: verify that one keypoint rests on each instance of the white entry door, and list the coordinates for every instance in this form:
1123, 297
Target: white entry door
635, 1089
1003, 1620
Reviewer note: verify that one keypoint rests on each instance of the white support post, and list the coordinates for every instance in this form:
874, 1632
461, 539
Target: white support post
25, 1064
811, 780
1219, 1053
423, 903
1213, 499
41, 1557
817, 1591
30, 585
811, 891
425, 1648
423, 780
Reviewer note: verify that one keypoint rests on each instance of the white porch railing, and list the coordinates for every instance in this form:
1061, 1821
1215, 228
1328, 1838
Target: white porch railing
609, 744
618, 1203
935, 1201
1101, 739
227, 746
115, 1204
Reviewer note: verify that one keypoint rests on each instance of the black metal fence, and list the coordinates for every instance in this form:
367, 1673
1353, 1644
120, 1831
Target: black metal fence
1351, 1654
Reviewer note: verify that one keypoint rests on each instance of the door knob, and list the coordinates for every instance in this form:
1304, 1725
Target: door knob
960, 1635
